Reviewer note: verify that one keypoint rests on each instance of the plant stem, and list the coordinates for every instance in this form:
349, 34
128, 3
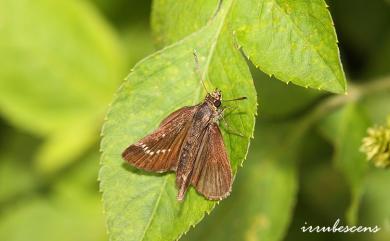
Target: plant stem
356, 93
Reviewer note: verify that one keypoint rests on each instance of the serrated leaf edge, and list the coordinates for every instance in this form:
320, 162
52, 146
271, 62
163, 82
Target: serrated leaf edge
116, 96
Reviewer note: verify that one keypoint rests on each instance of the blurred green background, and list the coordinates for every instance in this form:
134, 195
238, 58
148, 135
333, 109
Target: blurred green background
62, 61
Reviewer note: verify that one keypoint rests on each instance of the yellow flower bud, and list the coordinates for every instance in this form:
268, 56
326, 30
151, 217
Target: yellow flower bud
376, 145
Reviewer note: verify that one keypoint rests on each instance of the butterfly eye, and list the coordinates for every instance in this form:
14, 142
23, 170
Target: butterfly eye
217, 103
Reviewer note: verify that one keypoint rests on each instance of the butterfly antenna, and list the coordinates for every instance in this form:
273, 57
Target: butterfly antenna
218, 8
197, 68
240, 98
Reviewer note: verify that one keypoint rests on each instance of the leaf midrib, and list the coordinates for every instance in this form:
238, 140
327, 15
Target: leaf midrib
199, 91
213, 46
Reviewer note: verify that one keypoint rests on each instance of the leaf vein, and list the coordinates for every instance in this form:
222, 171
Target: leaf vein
302, 36
155, 208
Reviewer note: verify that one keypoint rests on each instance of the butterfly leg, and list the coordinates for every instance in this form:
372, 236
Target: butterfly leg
228, 128
231, 108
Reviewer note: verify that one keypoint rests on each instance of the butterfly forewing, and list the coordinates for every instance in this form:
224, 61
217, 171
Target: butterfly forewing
159, 151
179, 115
212, 174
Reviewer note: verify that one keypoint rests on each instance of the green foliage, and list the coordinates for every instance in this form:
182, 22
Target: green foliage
216, 46
61, 69
49, 37
312, 61
70, 213
61, 62
158, 85
346, 128
222, 65
16, 175
377, 107
293, 40
60, 65
376, 208
263, 210
275, 94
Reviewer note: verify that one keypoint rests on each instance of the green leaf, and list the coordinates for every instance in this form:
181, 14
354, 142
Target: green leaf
190, 16
293, 40
60, 66
261, 207
346, 129
142, 206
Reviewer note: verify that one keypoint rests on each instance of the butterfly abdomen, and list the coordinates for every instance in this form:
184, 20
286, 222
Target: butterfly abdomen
191, 146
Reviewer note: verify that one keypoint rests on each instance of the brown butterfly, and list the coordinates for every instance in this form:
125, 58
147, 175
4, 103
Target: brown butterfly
190, 143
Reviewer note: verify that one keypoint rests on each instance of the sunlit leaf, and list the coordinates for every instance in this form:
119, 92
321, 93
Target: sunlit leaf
141, 206
293, 40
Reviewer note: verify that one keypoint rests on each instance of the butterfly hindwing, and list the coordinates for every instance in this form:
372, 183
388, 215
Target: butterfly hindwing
212, 174
159, 151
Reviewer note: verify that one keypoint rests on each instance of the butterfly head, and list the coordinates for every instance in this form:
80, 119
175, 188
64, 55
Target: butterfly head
214, 98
